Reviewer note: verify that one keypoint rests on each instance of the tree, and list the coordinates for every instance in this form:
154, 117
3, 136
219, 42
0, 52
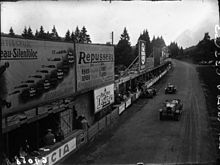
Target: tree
84, 37
77, 35
173, 49
205, 49
145, 37
67, 36
157, 42
25, 33
125, 36
54, 34
42, 34
88, 40
73, 38
30, 33
48, 36
36, 34
11, 32
123, 50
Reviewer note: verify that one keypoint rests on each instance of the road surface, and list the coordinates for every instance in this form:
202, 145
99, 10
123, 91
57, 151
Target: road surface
142, 137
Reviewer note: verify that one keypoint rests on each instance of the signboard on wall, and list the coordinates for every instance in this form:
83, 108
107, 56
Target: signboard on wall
142, 55
95, 65
121, 108
38, 72
103, 97
61, 152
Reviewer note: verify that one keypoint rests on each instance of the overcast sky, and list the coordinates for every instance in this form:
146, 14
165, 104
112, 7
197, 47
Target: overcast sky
172, 20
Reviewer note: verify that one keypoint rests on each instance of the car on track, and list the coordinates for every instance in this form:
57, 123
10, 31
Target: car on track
170, 89
149, 92
171, 109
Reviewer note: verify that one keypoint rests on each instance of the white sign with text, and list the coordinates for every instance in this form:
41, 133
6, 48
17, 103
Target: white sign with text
103, 97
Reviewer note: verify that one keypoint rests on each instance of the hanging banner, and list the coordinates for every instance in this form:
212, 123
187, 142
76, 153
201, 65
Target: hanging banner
95, 65
142, 55
103, 97
37, 72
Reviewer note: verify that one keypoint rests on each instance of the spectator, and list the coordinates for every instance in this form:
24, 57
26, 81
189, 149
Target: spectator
6, 161
26, 146
84, 123
59, 135
49, 138
74, 118
22, 152
81, 120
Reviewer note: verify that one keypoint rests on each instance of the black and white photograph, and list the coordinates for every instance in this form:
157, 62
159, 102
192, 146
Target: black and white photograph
112, 82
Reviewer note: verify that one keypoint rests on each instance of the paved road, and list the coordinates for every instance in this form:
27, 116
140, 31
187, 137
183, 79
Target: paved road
142, 137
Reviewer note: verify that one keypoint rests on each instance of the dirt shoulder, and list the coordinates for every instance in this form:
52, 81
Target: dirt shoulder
209, 81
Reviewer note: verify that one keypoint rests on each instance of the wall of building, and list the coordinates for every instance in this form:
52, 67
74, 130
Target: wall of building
84, 105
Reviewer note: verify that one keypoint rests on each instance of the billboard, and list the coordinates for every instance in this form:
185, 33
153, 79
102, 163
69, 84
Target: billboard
103, 97
95, 65
157, 54
142, 55
38, 72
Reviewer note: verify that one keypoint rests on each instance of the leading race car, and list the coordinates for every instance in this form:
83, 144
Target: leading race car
171, 108
170, 89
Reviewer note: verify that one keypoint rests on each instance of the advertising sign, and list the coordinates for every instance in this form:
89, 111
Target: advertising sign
95, 65
59, 153
128, 102
36, 72
121, 108
103, 97
142, 54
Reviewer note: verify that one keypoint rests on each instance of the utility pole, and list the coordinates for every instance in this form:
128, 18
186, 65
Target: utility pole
112, 37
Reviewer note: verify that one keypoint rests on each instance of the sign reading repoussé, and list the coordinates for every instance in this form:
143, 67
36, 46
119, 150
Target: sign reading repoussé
95, 65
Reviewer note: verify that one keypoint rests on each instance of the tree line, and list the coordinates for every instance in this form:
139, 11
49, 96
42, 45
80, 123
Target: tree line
77, 36
125, 53
204, 51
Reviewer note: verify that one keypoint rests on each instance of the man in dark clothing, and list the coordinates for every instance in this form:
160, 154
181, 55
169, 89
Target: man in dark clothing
49, 138
59, 134
74, 118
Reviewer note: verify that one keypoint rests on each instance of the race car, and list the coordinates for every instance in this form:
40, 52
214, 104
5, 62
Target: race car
170, 89
149, 92
171, 109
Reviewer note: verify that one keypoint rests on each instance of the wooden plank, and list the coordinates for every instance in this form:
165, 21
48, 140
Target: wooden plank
102, 123
93, 130
108, 118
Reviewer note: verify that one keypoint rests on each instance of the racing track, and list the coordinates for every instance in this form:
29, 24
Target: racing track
142, 137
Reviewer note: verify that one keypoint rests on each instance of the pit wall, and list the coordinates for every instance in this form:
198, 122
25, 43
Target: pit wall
81, 137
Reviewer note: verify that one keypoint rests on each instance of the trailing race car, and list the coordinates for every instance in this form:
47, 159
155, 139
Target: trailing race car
171, 108
149, 92
170, 89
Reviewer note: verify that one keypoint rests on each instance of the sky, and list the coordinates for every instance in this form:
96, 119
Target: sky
183, 21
